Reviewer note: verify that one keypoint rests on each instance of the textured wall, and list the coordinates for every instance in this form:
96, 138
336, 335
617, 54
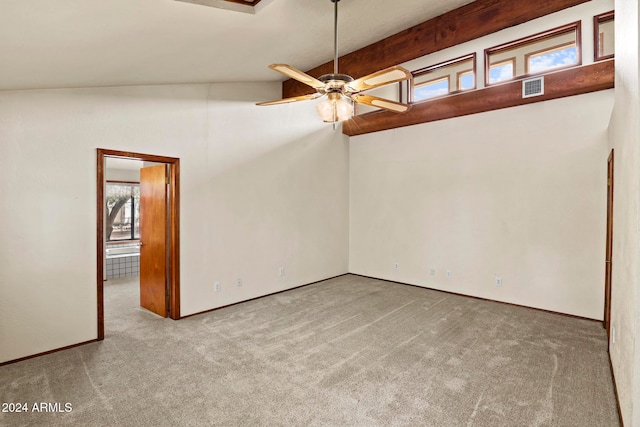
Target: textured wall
624, 137
517, 193
261, 188
492, 194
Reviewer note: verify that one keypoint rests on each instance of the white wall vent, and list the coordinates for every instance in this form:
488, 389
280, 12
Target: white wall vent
533, 87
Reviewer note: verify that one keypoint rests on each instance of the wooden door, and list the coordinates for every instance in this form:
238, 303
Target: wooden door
153, 239
609, 248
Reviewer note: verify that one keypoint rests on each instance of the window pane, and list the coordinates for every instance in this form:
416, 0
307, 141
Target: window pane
122, 223
136, 223
553, 58
467, 80
606, 36
549, 50
122, 201
431, 89
500, 72
444, 78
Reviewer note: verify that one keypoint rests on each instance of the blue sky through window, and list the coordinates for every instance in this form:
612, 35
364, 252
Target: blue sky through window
549, 60
501, 72
467, 81
538, 63
431, 90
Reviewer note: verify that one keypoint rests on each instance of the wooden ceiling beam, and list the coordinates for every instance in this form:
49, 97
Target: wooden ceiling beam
245, 6
469, 22
573, 81
251, 2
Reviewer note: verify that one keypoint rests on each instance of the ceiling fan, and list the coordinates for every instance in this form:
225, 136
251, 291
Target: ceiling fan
342, 90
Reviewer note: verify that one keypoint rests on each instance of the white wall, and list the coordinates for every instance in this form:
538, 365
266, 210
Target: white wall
517, 193
128, 175
624, 135
262, 187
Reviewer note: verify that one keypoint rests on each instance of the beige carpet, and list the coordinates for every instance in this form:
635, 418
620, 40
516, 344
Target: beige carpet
349, 351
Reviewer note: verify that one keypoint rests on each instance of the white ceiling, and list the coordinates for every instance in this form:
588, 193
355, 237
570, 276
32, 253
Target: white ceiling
126, 164
80, 43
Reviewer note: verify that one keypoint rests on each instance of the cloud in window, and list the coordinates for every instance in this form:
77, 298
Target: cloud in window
431, 90
500, 73
551, 60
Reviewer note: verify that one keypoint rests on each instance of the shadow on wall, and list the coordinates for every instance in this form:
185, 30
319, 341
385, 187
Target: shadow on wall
287, 207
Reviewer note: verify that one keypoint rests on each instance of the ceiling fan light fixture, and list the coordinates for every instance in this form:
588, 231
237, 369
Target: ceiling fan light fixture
342, 90
336, 108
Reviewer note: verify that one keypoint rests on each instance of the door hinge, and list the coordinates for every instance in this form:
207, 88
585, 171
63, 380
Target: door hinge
166, 179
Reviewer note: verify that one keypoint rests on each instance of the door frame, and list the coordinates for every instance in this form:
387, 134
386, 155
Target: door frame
608, 248
174, 227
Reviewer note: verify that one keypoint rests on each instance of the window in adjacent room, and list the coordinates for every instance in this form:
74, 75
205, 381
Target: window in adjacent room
123, 211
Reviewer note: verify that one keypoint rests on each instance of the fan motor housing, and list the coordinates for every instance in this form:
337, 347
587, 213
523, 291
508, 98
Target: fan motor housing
335, 81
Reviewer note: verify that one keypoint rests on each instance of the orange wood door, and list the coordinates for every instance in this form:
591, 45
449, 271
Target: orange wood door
609, 247
153, 238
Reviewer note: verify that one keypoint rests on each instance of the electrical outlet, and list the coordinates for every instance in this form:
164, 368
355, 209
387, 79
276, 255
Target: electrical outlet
498, 281
432, 272
239, 282
217, 286
449, 274
281, 271
613, 334
396, 266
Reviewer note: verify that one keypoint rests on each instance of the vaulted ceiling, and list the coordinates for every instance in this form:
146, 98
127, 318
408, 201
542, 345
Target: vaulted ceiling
80, 43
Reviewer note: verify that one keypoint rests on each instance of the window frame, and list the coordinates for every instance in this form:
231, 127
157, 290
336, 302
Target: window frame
512, 60
430, 82
597, 20
133, 216
544, 35
527, 58
432, 68
461, 74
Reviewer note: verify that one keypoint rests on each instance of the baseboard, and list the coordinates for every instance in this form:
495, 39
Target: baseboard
9, 362
262, 296
615, 389
322, 280
184, 317
481, 298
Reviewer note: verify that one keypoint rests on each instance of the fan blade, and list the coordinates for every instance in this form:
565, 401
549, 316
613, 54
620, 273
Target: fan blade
387, 104
298, 75
380, 78
294, 99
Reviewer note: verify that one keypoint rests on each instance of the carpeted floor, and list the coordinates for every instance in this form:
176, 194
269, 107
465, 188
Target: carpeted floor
349, 351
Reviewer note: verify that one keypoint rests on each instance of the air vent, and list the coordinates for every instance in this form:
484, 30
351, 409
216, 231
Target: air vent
533, 87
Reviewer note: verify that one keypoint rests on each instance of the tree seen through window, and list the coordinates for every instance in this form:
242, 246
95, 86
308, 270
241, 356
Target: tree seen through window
122, 211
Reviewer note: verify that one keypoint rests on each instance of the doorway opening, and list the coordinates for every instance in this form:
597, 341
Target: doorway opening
154, 196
